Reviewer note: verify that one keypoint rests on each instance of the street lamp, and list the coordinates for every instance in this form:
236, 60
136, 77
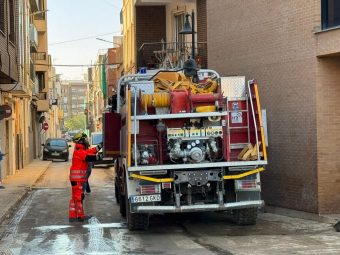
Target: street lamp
38, 12
188, 29
103, 40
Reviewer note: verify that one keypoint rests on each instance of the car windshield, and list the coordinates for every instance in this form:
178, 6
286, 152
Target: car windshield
58, 143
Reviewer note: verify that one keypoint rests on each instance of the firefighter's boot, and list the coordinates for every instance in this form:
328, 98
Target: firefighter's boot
72, 214
85, 218
80, 210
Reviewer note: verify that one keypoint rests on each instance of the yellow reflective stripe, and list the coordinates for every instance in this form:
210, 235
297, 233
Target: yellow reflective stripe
77, 176
78, 171
151, 179
238, 176
147, 178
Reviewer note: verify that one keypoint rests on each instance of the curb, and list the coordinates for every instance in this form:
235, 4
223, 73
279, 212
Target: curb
23, 195
328, 219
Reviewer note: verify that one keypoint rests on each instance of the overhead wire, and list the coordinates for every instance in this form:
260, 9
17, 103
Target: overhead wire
83, 38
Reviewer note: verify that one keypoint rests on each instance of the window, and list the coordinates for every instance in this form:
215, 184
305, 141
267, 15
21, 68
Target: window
12, 21
2, 15
179, 23
330, 13
41, 80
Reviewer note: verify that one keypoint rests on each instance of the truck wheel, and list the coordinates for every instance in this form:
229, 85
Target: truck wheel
122, 205
136, 221
246, 216
117, 195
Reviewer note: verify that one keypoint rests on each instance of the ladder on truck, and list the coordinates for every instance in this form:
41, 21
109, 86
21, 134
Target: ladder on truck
244, 117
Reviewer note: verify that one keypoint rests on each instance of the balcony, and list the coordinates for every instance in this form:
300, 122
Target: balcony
37, 56
170, 55
34, 43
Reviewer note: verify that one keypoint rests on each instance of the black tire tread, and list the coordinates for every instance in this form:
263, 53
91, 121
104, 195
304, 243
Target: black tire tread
117, 195
138, 221
247, 216
122, 206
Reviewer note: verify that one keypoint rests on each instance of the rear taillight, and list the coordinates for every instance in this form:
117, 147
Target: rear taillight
150, 189
166, 185
247, 185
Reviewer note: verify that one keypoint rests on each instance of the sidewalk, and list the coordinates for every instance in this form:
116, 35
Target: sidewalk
17, 186
324, 218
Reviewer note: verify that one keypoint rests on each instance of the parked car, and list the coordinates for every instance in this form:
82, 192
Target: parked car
56, 148
67, 137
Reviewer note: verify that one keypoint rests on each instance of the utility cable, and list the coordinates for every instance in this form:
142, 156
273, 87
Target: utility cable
83, 38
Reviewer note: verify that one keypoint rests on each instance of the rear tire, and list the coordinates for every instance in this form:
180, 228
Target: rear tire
117, 195
246, 216
122, 206
136, 221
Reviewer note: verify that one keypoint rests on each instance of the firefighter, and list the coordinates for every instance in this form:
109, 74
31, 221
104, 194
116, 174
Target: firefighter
82, 155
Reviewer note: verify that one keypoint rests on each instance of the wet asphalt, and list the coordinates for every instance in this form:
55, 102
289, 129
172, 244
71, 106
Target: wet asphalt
40, 226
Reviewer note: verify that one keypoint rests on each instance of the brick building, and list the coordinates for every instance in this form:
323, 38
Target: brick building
293, 49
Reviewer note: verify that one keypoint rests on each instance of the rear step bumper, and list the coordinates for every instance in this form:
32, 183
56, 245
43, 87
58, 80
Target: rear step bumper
199, 208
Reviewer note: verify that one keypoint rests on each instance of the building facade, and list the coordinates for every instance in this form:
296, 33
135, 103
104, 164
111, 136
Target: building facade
9, 75
25, 67
73, 96
153, 45
292, 48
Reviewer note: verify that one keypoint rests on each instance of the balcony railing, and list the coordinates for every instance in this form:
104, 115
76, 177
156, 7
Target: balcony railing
170, 55
33, 38
39, 56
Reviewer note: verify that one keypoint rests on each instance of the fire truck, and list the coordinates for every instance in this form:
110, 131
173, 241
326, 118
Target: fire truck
186, 144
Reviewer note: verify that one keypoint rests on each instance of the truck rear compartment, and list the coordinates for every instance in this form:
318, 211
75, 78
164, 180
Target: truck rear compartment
188, 147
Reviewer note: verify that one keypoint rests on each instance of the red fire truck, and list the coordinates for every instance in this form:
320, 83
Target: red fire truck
183, 146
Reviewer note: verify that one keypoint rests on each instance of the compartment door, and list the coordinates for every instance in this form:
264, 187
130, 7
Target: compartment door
111, 134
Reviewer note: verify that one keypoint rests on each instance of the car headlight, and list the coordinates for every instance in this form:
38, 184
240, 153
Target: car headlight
45, 149
64, 151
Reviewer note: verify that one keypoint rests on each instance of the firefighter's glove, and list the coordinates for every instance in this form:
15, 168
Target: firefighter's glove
99, 146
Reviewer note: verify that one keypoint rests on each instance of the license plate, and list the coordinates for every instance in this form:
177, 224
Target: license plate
55, 154
145, 199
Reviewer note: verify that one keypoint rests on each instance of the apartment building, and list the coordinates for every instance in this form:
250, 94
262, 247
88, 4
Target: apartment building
292, 48
25, 65
73, 96
153, 45
9, 76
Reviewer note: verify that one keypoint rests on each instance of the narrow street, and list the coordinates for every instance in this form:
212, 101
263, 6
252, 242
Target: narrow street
40, 226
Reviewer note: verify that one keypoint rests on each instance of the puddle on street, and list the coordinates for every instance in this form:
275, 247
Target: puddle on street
79, 239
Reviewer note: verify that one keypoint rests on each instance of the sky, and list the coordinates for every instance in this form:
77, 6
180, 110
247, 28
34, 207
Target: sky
70, 20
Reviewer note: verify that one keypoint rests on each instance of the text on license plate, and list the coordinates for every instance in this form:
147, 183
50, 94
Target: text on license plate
144, 199
55, 154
